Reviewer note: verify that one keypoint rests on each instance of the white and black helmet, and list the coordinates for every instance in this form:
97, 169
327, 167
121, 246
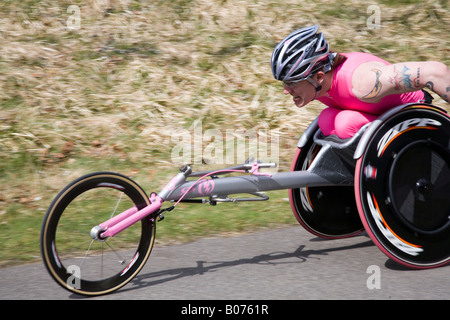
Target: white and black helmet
300, 55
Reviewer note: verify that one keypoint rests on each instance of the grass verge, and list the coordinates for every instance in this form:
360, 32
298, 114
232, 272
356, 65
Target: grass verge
111, 92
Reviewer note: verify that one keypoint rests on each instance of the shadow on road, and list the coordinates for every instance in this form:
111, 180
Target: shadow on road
300, 255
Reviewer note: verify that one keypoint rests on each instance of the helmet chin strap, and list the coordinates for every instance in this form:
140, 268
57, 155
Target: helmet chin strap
316, 85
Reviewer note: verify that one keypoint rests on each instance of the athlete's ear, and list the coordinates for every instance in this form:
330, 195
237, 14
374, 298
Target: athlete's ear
319, 76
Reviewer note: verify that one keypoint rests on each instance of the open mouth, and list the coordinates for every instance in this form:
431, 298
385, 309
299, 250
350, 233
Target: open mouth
298, 100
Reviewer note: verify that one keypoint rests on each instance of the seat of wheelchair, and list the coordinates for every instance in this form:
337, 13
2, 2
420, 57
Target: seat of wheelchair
335, 142
335, 157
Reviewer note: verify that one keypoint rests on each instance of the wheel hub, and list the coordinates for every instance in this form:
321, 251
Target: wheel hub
423, 186
96, 233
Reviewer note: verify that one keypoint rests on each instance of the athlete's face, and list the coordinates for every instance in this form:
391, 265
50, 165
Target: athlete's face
302, 92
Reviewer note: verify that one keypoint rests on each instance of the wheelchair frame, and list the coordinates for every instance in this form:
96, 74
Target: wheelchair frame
392, 179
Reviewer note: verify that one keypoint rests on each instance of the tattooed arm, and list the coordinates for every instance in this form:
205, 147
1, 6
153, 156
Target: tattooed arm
381, 80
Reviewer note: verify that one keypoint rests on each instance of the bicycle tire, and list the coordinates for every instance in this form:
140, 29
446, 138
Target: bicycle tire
72, 214
327, 212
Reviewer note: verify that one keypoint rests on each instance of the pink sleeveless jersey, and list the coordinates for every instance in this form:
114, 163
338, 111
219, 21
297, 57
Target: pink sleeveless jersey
341, 95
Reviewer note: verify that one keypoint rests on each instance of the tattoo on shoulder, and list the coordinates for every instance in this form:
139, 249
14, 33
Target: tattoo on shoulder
377, 87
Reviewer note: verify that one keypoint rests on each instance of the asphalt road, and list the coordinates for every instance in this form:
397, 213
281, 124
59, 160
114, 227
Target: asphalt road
282, 264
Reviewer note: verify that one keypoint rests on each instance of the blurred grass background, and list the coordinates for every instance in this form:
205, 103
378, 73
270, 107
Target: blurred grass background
110, 94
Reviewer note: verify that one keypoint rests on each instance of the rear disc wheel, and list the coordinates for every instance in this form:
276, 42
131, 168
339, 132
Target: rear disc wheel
402, 187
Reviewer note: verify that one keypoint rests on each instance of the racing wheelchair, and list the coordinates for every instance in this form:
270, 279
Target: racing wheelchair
392, 179
397, 171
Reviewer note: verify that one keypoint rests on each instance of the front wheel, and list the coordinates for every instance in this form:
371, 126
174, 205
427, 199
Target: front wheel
90, 266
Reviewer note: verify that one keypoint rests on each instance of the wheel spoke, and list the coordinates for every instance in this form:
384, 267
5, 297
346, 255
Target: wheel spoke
121, 259
86, 254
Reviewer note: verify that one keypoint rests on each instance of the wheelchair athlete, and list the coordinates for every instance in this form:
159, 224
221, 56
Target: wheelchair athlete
357, 87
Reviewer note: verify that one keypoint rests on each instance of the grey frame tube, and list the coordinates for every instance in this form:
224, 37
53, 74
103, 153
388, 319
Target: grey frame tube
251, 184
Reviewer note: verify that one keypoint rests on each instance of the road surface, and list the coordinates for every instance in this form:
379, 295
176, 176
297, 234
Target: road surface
281, 264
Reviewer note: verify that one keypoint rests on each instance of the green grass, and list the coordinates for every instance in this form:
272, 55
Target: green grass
111, 94
190, 221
